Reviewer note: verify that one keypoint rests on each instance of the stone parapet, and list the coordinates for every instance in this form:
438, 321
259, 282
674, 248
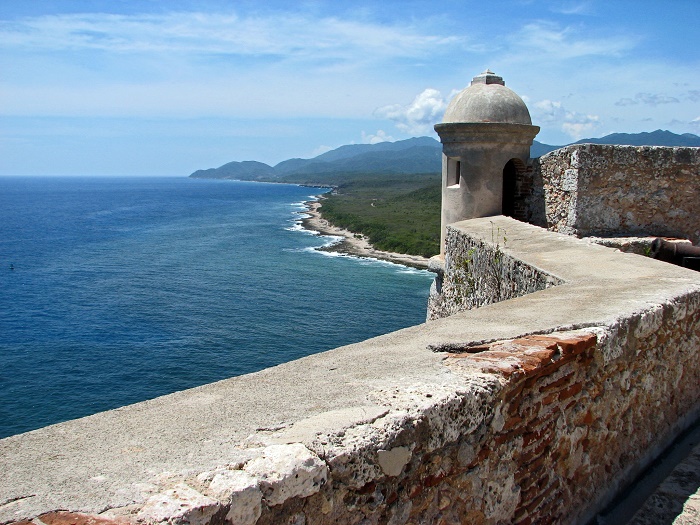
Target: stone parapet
477, 272
536, 409
606, 190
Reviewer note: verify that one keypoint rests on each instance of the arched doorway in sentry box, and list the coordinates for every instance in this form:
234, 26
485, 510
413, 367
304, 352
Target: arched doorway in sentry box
515, 190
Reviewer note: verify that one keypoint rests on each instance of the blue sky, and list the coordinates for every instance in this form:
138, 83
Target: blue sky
155, 87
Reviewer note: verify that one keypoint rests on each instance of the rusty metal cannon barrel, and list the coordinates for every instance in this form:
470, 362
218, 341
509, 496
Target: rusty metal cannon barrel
680, 253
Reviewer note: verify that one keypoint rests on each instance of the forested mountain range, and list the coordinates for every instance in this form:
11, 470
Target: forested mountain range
411, 156
416, 155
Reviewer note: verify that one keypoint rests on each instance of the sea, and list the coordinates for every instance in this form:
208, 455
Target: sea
119, 290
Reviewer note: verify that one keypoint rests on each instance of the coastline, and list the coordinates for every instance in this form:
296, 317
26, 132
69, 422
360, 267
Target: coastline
351, 243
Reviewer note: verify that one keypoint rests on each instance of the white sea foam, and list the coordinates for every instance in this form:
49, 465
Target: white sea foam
297, 226
362, 260
413, 271
332, 240
383, 262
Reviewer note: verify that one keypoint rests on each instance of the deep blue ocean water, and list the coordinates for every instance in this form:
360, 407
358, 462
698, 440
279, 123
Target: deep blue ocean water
118, 290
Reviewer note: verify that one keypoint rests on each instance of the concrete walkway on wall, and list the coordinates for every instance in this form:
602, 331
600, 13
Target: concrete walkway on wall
118, 459
677, 498
667, 493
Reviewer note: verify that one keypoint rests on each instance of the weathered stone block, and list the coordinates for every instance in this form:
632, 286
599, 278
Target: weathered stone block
287, 471
179, 505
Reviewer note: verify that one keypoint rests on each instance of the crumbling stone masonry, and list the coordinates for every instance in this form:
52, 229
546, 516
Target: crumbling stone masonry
478, 272
535, 409
606, 190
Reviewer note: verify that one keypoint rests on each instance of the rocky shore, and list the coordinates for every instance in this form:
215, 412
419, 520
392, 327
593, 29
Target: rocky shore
352, 243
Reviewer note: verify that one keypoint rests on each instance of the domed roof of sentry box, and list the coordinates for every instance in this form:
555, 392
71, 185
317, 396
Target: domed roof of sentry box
487, 99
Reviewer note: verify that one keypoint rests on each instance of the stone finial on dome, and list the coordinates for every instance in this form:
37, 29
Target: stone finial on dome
488, 77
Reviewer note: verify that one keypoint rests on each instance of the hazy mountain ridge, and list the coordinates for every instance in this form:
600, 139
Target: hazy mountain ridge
410, 156
659, 137
655, 138
415, 155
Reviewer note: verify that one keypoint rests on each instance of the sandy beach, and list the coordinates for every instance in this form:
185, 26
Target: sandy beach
354, 244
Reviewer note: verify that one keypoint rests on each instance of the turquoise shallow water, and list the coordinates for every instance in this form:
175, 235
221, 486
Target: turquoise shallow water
113, 291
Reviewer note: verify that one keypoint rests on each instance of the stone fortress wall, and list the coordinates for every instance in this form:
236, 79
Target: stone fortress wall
552, 371
478, 272
605, 190
614, 195
535, 409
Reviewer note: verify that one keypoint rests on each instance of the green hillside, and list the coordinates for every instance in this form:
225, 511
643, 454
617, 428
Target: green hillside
397, 214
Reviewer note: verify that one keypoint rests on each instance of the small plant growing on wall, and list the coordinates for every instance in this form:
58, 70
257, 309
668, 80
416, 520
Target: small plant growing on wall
477, 277
464, 278
494, 263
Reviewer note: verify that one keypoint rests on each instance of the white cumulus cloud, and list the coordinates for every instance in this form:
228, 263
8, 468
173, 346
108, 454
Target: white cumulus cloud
419, 116
574, 124
379, 136
320, 150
